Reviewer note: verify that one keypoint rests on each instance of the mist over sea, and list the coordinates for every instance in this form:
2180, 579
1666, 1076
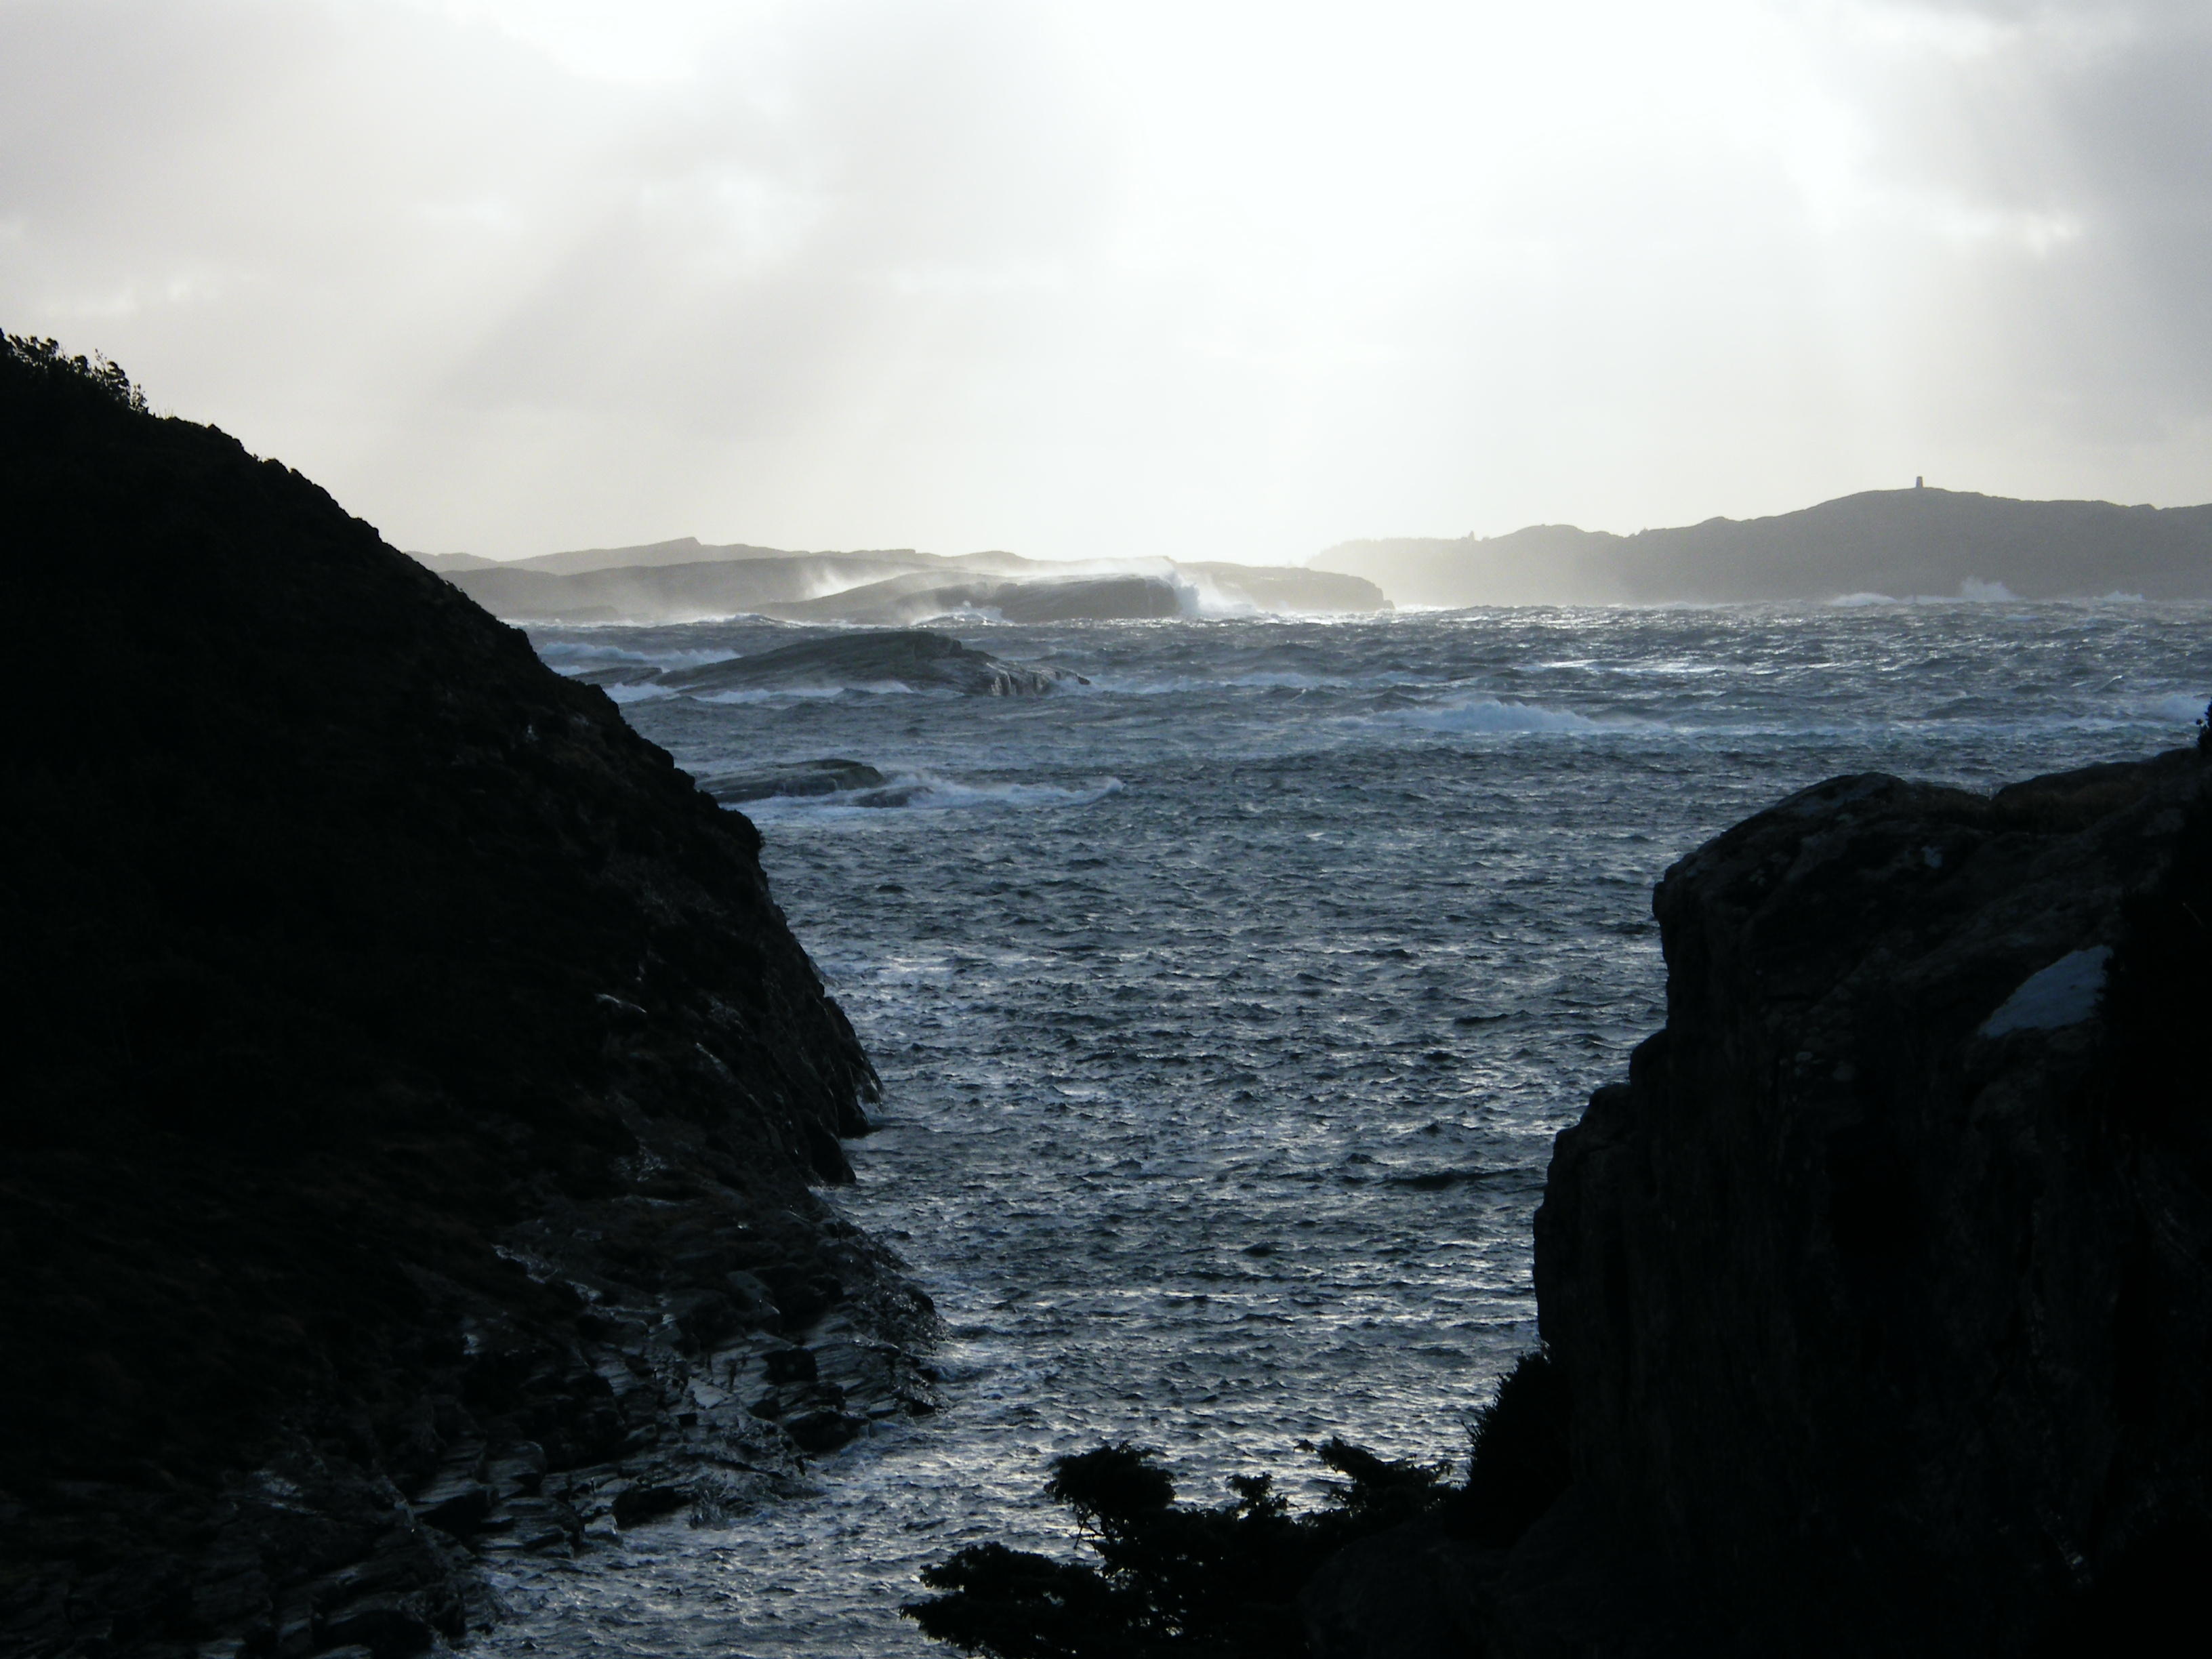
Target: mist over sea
1226, 1008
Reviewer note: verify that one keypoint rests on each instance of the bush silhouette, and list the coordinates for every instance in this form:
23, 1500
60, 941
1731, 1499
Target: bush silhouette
1221, 1583
46, 359
1519, 1465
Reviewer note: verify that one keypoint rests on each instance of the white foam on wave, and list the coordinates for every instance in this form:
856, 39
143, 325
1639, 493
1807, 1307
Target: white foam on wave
2185, 707
780, 693
639, 691
1490, 714
965, 615
577, 656
939, 794
1972, 590
1198, 596
1258, 680
924, 792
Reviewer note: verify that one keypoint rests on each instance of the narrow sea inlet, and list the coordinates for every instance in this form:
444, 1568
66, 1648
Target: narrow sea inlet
1226, 1006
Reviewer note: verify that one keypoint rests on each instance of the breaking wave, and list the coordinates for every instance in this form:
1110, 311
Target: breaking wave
1487, 715
922, 791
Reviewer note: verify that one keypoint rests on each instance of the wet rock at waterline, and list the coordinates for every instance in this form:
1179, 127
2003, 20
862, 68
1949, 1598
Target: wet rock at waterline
913, 659
413, 1094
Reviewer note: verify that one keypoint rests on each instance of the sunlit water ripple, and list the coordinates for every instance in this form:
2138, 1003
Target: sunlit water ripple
1226, 1010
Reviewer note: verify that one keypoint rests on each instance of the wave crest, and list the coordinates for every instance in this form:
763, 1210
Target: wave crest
923, 791
1490, 714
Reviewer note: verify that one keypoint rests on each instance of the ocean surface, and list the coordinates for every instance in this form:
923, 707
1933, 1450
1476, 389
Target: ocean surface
1226, 1008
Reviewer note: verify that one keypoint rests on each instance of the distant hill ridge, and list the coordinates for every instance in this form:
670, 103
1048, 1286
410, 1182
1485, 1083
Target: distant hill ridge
687, 580
683, 550
1899, 543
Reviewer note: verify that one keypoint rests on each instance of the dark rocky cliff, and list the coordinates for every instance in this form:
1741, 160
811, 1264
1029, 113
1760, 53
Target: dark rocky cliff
1878, 1301
412, 1092
1881, 1288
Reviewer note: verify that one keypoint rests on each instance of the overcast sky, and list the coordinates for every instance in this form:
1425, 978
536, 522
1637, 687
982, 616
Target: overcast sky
1209, 280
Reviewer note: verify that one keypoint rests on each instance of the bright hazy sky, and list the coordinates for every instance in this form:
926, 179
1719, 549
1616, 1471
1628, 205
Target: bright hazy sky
1209, 280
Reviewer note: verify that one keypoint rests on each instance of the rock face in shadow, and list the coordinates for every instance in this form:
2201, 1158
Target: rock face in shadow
1881, 1288
1879, 1292
412, 1095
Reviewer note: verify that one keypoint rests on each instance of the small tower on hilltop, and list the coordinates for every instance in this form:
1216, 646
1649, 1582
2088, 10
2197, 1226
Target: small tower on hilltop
1919, 483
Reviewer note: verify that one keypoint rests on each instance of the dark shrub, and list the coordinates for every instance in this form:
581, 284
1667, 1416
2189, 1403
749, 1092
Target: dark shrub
1212, 1583
1519, 1466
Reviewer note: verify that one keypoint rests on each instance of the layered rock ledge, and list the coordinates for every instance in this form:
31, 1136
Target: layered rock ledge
414, 1097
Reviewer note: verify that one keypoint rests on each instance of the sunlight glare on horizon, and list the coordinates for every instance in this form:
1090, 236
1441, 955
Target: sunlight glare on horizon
1081, 280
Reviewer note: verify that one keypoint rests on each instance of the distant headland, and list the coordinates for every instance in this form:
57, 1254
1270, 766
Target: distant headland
1893, 543
688, 580
1919, 542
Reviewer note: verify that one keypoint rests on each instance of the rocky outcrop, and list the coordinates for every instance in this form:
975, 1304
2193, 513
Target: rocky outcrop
1877, 1297
910, 660
413, 1095
914, 658
1881, 1288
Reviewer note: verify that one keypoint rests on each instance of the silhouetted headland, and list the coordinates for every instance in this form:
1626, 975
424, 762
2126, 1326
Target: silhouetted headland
1897, 543
413, 1089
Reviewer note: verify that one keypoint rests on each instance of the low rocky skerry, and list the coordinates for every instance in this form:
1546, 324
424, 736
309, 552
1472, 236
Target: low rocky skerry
414, 1097
913, 659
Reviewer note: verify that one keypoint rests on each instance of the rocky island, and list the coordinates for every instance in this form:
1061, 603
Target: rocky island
414, 1098
912, 660
1892, 543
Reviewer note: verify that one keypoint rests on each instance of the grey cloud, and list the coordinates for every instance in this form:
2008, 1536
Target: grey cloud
918, 270
2089, 119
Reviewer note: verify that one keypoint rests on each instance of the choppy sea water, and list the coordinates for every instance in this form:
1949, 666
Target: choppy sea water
1226, 1009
